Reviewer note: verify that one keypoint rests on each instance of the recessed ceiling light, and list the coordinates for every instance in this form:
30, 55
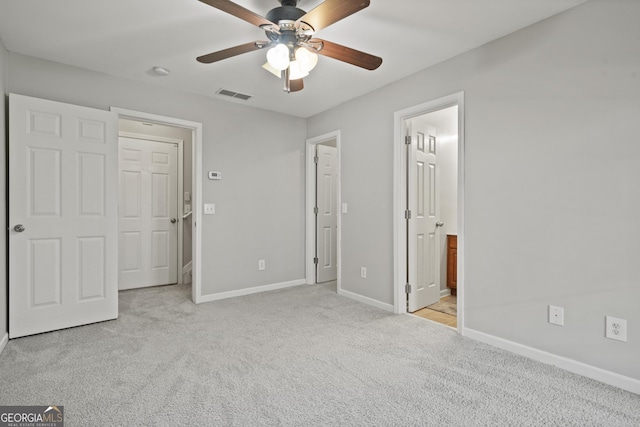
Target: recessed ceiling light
161, 71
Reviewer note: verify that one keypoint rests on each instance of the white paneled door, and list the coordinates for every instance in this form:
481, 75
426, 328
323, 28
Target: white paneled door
148, 223
327, 216
424, 226
62, 216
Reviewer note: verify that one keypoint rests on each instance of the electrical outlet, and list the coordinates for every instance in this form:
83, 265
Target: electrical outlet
363, 272
262, 265
556, 315
616, 329
209, 208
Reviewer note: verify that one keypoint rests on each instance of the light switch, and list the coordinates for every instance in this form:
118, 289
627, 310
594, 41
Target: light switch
209, 208
344, 208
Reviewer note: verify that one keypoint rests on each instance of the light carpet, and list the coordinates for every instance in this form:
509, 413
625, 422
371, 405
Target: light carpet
302, 356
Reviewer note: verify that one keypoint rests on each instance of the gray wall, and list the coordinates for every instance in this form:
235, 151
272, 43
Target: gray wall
260, 200
3, 212
551, 205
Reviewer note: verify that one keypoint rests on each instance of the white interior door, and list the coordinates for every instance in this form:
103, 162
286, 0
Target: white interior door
326, 217
424, 236
62, 216
148, 218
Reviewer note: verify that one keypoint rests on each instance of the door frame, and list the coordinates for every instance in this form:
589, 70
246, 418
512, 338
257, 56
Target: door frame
196, 173
310, 240
399, 202
179, 200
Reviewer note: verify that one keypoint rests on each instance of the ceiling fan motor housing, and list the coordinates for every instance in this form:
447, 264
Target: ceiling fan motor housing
285, 16
285, 13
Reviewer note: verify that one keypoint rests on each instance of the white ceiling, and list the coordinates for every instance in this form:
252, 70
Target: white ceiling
126, 38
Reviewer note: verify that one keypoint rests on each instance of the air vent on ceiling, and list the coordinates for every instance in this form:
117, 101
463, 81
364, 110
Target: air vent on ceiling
233, 94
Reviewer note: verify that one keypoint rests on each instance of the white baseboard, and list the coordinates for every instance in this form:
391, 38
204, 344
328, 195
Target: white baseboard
598, 374
366, 300
445, 292
249, 291
187, 267
187, 277
4, 341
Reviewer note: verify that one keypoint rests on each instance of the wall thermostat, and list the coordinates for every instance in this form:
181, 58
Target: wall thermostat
215, 175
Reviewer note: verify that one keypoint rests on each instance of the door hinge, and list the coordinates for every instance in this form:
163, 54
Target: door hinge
407, 139
315, 210
407, 214
407, 288
316, 159
315, 260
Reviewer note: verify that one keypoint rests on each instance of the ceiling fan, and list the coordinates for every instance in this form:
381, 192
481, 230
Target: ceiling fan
292, 49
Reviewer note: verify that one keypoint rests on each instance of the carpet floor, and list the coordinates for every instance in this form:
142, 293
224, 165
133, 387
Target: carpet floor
303, 356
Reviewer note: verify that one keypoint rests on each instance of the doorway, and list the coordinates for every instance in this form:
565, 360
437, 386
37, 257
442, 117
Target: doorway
63, 210
322, 206
428, 195
435, 173
189, 136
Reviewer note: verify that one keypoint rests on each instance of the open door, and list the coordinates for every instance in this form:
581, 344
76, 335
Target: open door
423, 269
63, 222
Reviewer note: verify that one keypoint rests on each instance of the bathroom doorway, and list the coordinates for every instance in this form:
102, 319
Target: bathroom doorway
429, 189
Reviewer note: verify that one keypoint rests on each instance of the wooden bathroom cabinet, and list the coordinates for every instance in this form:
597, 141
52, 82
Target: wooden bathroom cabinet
452, 263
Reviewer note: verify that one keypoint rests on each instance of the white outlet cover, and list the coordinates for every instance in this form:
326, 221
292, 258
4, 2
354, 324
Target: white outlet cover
616, 329
209, 208
556, 315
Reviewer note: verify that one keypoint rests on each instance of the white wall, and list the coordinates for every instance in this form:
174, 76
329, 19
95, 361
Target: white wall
3, 213
551, 202
260, 200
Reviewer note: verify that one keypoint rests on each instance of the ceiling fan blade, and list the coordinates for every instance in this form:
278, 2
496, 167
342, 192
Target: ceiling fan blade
240, 12
232, 51
348, 55
296, 85
331, 11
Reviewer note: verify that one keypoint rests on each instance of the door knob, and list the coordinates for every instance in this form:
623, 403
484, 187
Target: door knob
439, 224
173, 220
19, 228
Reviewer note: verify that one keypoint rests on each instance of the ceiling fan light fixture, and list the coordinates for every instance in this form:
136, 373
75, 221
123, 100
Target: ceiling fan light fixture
292, 52
296, 71
278, 57
307, 60
269, 68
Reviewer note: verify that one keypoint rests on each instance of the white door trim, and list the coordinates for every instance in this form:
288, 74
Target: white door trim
399, 194
180, 192
196, 203
310, 203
